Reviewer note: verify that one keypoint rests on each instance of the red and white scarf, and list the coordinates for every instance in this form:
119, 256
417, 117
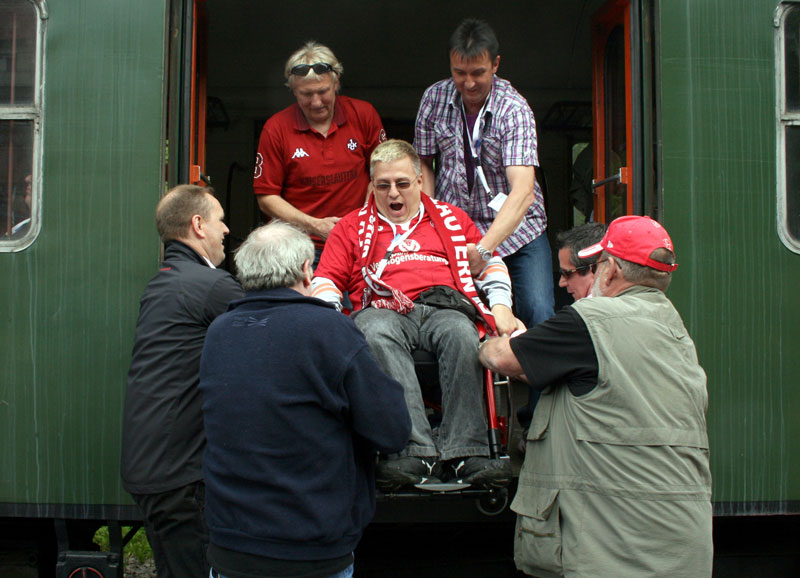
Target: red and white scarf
380, 295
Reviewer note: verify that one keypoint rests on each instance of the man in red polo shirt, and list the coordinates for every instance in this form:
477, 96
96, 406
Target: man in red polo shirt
312, 162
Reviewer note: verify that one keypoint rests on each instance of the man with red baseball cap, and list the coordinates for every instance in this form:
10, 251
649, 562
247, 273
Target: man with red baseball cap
616, 479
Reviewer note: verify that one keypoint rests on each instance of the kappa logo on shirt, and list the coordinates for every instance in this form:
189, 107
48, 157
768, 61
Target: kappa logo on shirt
299, 153
352, 144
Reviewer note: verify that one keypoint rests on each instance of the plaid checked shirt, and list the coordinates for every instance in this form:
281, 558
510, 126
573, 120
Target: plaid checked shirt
510, 140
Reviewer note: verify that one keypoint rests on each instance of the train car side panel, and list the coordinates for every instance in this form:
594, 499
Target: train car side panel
737, 283
70, 300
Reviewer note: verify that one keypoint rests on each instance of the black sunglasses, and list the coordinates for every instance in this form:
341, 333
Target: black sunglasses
567, 273
317, 67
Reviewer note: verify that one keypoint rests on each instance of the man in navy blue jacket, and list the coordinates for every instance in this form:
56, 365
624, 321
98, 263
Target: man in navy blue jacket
295, 410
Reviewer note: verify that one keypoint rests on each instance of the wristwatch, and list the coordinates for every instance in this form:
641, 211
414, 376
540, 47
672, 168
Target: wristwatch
484, 253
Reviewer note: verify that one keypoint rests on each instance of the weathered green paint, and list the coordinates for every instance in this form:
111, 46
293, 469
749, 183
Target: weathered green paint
737, 285
69, 302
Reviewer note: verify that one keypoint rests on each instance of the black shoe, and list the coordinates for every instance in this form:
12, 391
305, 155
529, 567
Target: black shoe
393, 474
480, 471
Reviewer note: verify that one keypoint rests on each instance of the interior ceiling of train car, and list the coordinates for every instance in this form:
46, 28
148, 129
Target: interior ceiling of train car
391, 51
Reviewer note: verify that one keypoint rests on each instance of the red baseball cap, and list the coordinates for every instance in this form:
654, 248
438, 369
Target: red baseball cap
634, 238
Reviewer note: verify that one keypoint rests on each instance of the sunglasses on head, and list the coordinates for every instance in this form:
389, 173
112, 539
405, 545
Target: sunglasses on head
317, 67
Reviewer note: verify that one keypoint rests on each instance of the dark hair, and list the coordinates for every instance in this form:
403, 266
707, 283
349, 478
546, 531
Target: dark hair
472, 38
175, 210
577, 239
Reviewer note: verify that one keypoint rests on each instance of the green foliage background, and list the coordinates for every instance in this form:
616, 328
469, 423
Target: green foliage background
138, 545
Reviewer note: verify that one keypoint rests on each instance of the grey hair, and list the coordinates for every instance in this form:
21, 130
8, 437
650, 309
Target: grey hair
394, 150
311, 53
644, 275
577, 239
272, 257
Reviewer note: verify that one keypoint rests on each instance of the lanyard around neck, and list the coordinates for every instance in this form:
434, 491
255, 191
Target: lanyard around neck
398, 239
475, 141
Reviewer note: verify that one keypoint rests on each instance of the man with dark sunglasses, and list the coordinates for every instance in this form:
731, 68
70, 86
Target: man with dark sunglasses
312, 163
575, 273
616, 479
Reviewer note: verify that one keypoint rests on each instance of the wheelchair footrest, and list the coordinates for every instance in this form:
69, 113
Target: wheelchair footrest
443, 487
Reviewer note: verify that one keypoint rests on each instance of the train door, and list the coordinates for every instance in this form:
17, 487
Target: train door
623, 110
187, 94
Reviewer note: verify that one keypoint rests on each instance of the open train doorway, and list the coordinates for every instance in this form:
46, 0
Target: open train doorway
391, 53
586, 68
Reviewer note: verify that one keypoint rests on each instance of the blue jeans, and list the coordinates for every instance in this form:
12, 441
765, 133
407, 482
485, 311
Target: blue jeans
346, 573
453, 338
531, 270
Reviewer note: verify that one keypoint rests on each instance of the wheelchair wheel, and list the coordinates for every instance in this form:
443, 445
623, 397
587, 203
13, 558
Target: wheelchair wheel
493, 502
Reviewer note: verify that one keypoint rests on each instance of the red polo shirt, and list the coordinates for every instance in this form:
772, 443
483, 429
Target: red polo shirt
320, 176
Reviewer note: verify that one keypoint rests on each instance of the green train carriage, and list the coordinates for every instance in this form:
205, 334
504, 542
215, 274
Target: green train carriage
690, 107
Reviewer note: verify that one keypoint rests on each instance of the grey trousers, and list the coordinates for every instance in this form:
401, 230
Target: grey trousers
453, 338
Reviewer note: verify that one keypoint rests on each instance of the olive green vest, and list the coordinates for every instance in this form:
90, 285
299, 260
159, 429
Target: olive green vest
616, 482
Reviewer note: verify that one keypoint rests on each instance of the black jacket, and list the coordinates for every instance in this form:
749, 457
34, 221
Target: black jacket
162, 431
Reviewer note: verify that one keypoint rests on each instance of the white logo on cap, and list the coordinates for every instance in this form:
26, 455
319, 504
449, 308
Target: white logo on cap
610, 244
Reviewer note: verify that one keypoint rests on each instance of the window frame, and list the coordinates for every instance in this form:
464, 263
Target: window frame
784, 120
31, 112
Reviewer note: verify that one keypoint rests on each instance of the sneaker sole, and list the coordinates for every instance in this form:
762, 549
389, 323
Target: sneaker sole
390, 481
489, 479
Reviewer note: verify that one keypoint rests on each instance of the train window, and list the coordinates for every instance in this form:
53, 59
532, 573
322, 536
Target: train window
21, 30
787, 48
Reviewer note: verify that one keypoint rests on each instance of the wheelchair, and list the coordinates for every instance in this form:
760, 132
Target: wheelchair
499, 413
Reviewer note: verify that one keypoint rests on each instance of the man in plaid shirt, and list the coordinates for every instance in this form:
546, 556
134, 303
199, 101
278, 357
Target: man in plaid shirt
482, 135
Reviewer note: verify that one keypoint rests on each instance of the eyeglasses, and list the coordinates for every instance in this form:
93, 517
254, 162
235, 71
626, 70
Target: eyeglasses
594, 265
317, 67
384, 187
567, 273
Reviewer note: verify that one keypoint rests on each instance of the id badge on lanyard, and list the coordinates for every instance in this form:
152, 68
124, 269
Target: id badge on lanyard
475, 141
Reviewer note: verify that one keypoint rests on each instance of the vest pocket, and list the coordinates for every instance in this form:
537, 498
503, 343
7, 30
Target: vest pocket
537, 540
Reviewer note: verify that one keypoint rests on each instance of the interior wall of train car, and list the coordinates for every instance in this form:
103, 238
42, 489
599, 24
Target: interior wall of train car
391, 52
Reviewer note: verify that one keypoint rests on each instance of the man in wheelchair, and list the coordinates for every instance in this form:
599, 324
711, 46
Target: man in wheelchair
403, 258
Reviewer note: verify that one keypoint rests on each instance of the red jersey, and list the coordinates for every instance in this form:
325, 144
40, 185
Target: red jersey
320, 176
417, 264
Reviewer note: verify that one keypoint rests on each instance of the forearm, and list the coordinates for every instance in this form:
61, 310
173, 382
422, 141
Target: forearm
520, 198
496, 354
325, 289
278, 208
428, 177
495, 282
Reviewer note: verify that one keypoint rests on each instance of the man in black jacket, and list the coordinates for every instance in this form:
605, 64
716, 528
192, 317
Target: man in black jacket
295, 411
162, 433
